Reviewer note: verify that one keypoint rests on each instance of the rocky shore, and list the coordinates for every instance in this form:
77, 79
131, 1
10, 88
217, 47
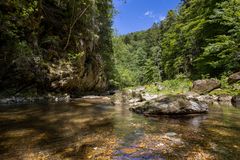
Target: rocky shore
195, 101
38, 99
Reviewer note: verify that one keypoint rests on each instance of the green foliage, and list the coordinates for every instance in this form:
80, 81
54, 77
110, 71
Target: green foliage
75, 56
179, 85
139, 54
124, 74
226, 88
199, 40
23, 49
52, 31
229, 91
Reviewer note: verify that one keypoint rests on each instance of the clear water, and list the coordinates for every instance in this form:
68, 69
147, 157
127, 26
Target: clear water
90, 131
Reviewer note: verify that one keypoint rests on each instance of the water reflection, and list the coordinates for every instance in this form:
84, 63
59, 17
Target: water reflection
96, 131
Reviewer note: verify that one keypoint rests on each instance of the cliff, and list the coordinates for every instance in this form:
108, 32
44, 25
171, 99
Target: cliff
55, 46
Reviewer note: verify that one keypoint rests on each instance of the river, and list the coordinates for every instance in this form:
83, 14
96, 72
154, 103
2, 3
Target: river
95, 131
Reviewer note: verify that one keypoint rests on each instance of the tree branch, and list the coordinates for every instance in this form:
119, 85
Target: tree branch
73, 24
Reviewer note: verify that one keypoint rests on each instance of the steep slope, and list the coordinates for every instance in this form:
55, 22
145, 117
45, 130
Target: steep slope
54, 46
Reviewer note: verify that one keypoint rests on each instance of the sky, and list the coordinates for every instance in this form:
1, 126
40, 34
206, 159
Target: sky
137, 15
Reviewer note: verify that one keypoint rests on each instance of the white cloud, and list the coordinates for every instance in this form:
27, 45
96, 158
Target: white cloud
157, 17
149, 14
161, 18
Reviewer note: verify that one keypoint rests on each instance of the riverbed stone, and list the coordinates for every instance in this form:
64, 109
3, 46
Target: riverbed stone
205, 86
171, 105
234, 78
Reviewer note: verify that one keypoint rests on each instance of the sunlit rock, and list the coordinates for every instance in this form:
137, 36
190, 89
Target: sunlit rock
234, 78
205, 86
171, 105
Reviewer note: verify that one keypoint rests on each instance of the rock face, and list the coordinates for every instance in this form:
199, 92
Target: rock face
205, 86
171, 105
46, 57
61, 77
234, 78
84, 77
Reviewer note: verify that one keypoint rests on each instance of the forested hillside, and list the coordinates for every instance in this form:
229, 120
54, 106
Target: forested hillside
67, 46
55, 45
200, 39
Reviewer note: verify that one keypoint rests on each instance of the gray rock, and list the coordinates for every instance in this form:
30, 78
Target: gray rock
171, 105
191, 95
207, 98
117, 98
171, 134
140, 89
132, 96
149, 97
234, 78
28, 100
205, 86
236, 101
225, 98
95, 100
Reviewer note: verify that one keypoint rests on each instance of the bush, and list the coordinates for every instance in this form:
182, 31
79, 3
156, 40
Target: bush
179, 85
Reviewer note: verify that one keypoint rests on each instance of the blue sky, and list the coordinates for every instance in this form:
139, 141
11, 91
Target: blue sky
137, 15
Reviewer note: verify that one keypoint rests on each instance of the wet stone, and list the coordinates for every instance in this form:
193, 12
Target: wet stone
171, 134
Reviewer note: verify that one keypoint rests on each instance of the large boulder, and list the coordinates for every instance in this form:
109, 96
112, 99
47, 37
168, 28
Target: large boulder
171, 105
205, 86
234, 78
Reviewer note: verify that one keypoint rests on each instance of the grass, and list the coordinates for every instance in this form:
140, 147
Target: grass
176, 86
226, 88
183, 85
173, 87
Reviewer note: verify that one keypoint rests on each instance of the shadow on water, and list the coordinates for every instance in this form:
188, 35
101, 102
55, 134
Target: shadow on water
54, 129
91, 131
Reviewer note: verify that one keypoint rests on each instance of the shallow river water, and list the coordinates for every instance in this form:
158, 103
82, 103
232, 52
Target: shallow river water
91, 131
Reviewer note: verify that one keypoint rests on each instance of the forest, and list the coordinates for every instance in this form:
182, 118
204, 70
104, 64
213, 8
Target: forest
55, 46
201, 39
73, 87
69, 46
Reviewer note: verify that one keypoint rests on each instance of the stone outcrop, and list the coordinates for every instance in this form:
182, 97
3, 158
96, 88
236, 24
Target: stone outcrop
171, 105
84, 77
205, 86
40, 78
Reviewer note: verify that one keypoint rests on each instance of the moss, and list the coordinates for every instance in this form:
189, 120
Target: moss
231, 92
226, 88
